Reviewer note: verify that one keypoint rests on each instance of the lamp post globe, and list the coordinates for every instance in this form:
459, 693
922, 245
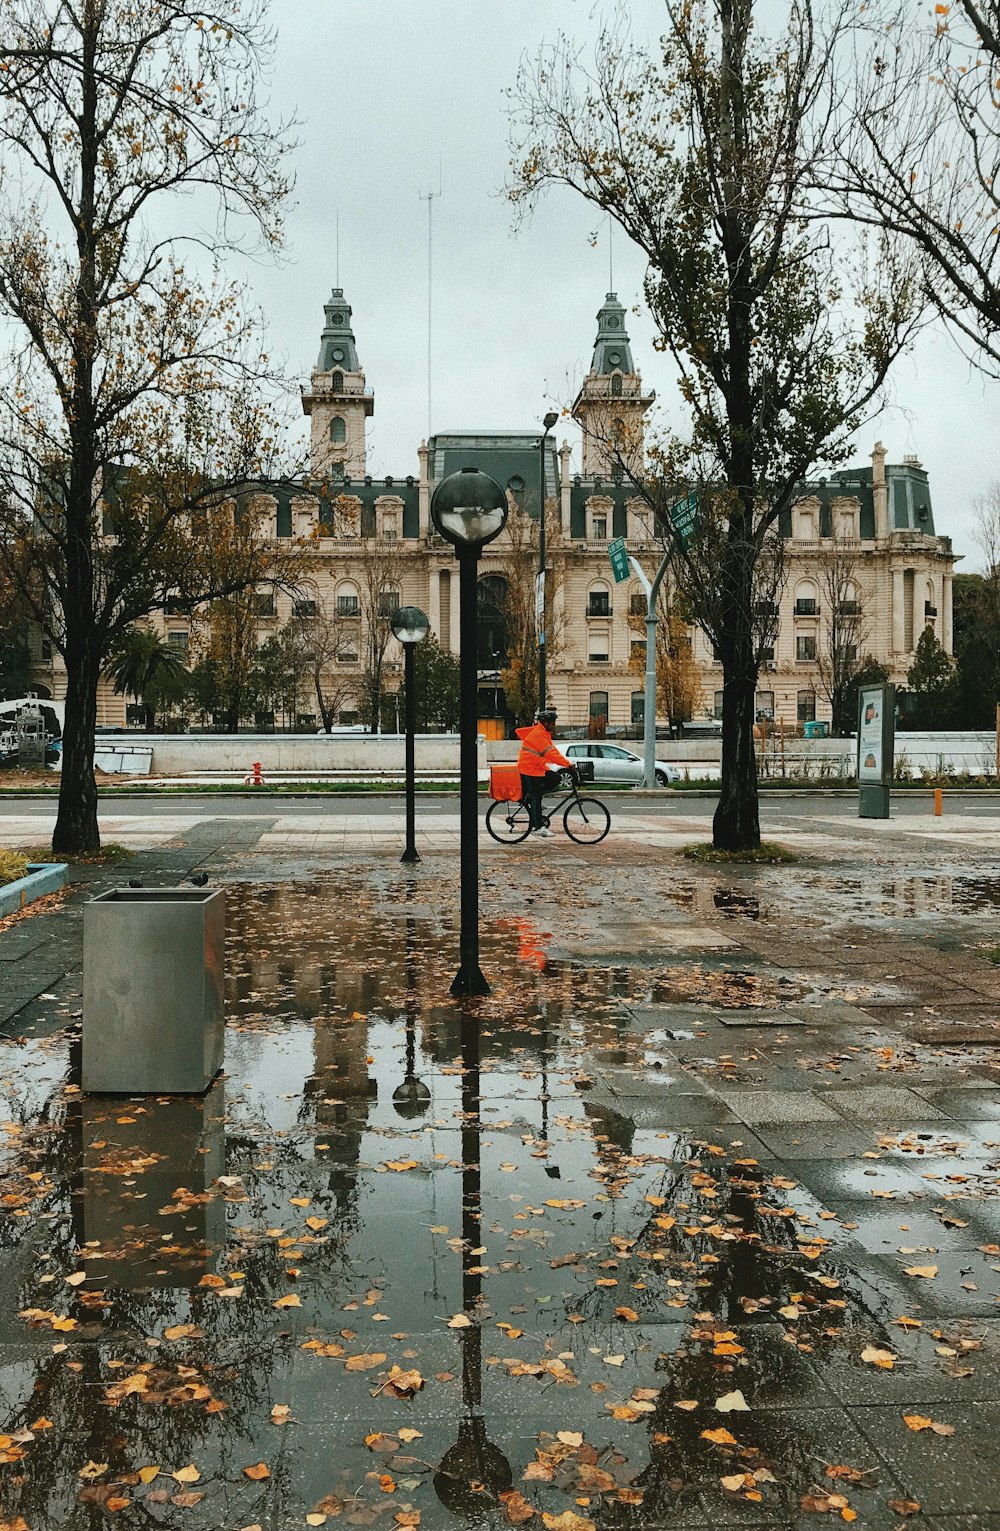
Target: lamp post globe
409, 624
469, 509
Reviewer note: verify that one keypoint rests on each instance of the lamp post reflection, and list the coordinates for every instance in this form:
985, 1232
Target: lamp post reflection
474, 1472
412, 1097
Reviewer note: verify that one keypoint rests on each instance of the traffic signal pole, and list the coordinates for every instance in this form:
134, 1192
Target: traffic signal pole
649, 701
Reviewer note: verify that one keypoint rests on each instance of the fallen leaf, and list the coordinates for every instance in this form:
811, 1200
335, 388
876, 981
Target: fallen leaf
927, 1271
719, 1437
147, 1474
257, 1473
364, 1363
732, 1402
189, 1474
460, 1321
290, 1300
876, 1357
567, 1521
628, 1314
406, 1435
516, 1507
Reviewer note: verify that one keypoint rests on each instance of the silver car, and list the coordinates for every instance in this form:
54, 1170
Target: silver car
613, 763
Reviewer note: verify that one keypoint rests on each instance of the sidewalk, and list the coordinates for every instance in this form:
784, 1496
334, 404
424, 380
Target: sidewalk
693, 1222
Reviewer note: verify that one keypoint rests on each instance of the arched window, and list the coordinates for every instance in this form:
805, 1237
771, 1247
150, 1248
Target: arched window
337, 382
805, 599
616, 385
338, 429
348, 604
599, 600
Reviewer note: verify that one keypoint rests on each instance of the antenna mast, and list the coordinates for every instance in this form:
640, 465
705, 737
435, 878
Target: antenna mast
428, 197
338, 247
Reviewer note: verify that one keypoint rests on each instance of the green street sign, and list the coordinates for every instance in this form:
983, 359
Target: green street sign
683, 515
618, 553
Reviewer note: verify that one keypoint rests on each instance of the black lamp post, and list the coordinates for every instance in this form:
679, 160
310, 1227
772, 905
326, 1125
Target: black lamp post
468, 509
410, 626
548, 422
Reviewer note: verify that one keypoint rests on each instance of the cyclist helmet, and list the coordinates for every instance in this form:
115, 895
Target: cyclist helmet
547, 715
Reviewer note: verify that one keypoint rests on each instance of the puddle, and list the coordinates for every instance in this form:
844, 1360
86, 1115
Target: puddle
395, 1263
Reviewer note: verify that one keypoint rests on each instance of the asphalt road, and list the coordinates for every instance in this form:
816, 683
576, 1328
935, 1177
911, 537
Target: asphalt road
774, 806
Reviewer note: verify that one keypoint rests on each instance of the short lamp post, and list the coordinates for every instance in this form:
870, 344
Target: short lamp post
549, 421
410, 626
468, 509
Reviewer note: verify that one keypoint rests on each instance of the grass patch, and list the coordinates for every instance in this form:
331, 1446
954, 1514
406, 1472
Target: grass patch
767, 853
108, 855
993, 955
12, 866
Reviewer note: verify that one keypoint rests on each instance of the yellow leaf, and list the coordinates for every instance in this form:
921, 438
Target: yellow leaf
569, 1520
719, 1437
927, 1271
147, 1474
460, 1321
628, 1314
917, 1421
316, 1223
300, 1201
876, 1357
734, 1482
364, 1363
407, 1435
257, 1473
290, 1300
189, 1474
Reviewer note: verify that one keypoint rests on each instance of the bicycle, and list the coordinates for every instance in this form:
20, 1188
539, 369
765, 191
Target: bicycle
585, 820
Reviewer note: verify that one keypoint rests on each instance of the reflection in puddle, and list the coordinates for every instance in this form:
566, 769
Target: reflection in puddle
418, 1259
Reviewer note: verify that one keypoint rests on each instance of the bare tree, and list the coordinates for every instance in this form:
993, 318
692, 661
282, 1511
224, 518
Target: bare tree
706, 156
921, 154
845, 629
380, 566
132, 406
322, 637
518, 568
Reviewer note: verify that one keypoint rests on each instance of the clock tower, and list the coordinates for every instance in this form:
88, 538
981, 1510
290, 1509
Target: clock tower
336, 400
611, 406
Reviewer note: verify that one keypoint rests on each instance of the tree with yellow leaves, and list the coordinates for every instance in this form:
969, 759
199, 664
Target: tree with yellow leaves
136, 402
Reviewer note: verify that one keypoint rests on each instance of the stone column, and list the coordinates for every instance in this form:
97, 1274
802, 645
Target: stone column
424, 493
434, 601
565, 487
947, 630
454, 612
919, 597
880, 492
898, 624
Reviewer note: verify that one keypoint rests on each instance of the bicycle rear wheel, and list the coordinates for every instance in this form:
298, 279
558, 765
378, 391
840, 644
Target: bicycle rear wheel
586, 821
508, 822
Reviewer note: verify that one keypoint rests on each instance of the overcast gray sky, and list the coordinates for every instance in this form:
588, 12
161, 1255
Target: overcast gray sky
388, 89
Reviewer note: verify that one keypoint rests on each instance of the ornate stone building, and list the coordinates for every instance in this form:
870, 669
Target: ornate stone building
369, 544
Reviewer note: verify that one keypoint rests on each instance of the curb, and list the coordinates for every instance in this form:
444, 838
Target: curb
42, 877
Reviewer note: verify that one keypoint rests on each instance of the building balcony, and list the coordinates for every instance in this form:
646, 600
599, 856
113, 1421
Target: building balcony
806, 609
600, 609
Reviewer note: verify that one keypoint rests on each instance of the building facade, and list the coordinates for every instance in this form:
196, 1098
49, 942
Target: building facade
369, 544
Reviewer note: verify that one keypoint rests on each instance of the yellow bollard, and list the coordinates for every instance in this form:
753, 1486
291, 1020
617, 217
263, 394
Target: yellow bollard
937, 801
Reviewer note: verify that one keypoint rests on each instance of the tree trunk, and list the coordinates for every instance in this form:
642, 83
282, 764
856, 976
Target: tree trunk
76, 832
150, 716
736, 826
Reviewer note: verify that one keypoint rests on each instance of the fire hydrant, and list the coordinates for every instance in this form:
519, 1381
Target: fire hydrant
257, 779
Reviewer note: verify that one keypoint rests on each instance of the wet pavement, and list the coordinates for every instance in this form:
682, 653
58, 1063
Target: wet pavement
693, 1222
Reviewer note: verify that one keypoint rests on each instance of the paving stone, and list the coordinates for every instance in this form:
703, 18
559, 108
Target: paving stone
947, 1476
770, 1106
881, 1103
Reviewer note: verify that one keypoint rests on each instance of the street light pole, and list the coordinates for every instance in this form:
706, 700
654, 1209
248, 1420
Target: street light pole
410, 626
468, 509
649, 701
548, 422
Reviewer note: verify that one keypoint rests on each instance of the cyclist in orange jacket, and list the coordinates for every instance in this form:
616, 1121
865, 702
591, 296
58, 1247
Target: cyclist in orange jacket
537, 752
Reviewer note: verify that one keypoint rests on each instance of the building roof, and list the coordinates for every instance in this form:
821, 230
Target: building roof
612, 352
337, 350
510, 457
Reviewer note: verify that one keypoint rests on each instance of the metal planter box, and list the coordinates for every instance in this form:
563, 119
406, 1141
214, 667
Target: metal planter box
153, 990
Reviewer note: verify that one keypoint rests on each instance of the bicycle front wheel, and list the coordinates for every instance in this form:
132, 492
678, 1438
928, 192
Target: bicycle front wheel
586, 821
508, 822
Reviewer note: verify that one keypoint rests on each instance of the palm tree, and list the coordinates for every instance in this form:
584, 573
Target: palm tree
145, 667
